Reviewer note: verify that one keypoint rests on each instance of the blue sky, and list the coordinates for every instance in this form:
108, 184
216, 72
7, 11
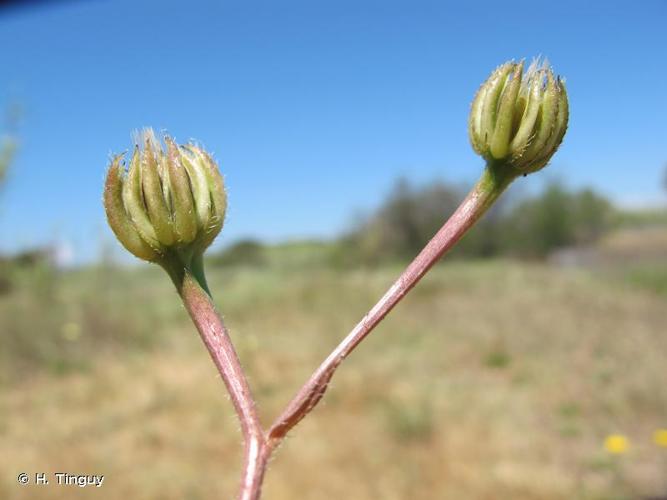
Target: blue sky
313, 108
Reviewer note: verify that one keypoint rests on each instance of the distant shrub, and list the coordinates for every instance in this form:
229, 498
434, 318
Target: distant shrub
534, 226
555, 219
7, 148
245, 252
5, 281
403, 223
649, 276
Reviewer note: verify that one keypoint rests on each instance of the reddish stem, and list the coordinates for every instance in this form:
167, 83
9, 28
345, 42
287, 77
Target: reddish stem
481, 197
259, 445
216, 339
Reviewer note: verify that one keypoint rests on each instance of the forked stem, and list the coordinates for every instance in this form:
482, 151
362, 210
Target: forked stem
192, 288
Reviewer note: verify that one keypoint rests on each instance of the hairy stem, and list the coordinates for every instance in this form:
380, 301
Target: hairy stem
192, 288
493, 182
191, 285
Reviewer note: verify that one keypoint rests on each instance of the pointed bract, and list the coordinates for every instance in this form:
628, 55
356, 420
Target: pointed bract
519, 118
169, 203
118, 219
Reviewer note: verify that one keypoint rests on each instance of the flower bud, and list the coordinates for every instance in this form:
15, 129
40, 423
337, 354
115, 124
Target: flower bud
168, 202
519, 119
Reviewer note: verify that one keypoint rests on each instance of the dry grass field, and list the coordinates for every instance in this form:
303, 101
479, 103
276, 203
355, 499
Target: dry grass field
492, 380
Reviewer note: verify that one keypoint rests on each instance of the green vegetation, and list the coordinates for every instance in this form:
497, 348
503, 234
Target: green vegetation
7, 147
556, 219
510, 401
8, 143
54, 322
648, 276
533, 227
639, 218
99, 366
296, 255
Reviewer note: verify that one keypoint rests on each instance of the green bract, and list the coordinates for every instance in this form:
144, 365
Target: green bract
519, 119
168, 203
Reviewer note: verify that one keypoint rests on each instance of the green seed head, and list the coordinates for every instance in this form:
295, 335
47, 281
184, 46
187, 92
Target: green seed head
519, 118
169, 203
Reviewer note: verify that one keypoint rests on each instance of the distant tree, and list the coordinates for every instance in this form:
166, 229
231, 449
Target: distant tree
6, 151
404, 222
8, 139
534, 227
244, 252
537, 225
398, 220
557, 218
592, 216
7, 148
487, 238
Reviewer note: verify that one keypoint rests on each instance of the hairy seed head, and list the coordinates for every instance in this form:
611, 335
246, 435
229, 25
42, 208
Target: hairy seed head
169, 200
519, 118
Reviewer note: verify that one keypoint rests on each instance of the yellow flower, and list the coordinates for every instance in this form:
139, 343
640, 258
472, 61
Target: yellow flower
660, 437
71, 331
616, 444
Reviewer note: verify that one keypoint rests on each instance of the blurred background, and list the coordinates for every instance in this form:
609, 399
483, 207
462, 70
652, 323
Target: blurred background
529, 364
